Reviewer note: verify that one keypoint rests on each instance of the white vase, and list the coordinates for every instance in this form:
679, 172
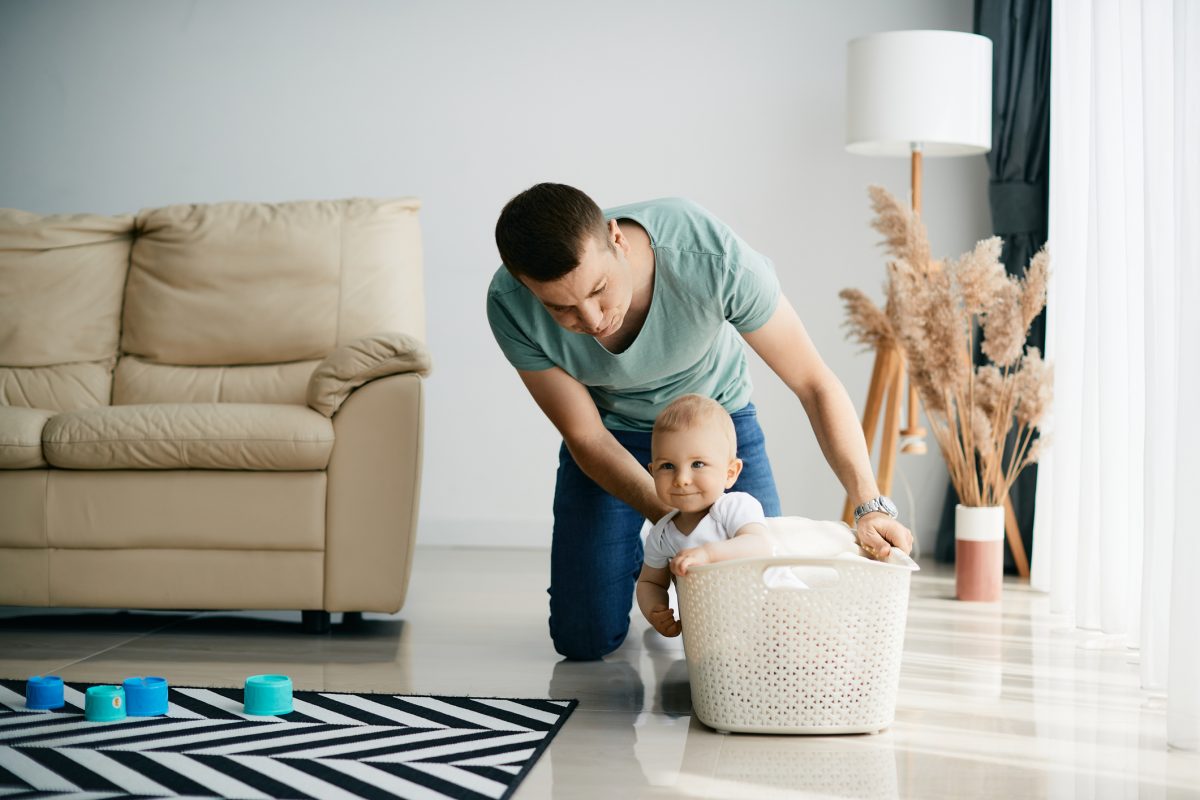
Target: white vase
978, 552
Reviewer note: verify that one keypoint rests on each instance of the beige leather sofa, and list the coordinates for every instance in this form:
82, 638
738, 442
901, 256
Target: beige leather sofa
212, 407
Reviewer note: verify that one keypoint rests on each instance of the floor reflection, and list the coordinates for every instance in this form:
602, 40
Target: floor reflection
205, 648
613, 684
851, 766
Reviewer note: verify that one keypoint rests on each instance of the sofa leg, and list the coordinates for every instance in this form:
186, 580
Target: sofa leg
351, 618
315, 621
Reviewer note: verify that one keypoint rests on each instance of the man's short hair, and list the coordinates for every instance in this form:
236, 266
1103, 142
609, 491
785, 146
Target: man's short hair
542, 232
689, 410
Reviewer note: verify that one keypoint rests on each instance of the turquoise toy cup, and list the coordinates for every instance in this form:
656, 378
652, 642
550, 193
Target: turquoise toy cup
44, 692
104, 704
145, 697
268, 695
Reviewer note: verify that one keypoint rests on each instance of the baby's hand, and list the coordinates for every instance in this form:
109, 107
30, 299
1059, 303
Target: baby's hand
689, 557
663, 620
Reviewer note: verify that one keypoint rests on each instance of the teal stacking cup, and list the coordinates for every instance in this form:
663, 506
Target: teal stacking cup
268, 695
104, 704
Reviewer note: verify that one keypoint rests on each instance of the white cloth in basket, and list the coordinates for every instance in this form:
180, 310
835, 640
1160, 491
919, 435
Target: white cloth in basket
801, 537
811, 538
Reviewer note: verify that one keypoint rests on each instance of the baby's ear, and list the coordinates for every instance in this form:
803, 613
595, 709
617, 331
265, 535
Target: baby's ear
735, 469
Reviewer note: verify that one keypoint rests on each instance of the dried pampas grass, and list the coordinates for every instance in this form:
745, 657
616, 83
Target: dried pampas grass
903, 234
868, 324
935, 311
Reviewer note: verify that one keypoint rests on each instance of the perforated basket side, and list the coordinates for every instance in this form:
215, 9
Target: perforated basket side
815, 660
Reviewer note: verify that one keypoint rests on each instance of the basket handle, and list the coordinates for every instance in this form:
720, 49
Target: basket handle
897, 559
812, 578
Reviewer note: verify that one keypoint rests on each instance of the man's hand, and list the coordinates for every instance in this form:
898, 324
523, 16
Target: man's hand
878, 533
663, 620
689, 557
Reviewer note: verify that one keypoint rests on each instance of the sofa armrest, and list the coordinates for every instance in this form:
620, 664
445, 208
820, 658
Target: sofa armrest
360, 361
373, 493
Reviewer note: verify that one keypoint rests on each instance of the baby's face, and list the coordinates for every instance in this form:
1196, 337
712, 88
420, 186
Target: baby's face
692, 468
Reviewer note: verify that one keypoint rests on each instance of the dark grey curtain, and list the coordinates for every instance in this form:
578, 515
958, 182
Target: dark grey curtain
1019, 163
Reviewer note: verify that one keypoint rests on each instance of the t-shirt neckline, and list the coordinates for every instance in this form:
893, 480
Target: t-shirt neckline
653, 295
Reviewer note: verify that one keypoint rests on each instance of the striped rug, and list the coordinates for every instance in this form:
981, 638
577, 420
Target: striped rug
336, 746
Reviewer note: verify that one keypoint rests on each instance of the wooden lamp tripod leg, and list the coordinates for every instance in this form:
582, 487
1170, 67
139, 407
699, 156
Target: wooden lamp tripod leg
1012, 532
882, 377
891, 424
914, 434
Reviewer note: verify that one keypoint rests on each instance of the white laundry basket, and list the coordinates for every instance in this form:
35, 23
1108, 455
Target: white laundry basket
821, 658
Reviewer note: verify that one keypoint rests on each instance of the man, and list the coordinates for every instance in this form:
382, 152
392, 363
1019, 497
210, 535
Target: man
607, 317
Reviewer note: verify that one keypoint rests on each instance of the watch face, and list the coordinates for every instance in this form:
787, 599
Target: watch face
887, 505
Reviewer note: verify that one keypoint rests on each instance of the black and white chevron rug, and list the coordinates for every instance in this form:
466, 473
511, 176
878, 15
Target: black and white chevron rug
335, 746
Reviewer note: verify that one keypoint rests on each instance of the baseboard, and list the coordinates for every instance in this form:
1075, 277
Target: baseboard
459, 532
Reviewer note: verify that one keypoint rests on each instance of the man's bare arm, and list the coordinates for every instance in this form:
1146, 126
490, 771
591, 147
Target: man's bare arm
786, 347
567, 404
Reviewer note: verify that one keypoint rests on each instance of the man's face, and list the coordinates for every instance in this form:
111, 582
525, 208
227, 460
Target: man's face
594, 297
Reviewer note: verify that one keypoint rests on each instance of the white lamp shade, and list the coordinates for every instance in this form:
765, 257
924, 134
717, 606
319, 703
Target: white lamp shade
930, 88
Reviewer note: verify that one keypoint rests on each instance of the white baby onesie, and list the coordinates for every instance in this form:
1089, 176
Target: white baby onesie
728, 515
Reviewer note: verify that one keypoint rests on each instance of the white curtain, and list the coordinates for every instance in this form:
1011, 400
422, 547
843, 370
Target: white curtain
1116, 542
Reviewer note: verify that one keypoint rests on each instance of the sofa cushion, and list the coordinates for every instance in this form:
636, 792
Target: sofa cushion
139, 381
61, 279
21, 437
259, 283
190, 436
62, 387
61, 283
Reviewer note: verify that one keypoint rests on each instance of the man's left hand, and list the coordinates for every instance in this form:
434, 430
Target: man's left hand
878, 533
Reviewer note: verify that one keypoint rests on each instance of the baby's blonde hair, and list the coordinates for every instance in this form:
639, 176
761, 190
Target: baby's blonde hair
693, 410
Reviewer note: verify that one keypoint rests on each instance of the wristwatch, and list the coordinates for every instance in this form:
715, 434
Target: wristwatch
882, 503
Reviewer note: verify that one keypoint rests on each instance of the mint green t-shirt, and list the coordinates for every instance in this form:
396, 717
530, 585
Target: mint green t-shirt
709, 286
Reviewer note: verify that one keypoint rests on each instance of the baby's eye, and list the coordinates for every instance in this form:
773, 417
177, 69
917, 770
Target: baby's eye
666, 465
698, 464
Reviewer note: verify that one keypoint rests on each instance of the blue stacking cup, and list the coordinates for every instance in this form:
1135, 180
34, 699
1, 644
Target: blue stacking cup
268, 695
44, 692
104, 704
145, 697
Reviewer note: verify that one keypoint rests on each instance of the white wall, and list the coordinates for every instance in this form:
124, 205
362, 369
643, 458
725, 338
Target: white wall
114, 106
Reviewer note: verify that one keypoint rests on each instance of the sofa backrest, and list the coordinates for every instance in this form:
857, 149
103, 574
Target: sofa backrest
61, 283
236, 302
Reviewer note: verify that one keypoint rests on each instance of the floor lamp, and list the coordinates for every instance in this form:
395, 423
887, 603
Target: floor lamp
915, 94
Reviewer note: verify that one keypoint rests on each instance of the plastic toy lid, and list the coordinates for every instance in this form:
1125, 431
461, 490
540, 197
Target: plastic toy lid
146, 697
104, 703
43, 692
268, 695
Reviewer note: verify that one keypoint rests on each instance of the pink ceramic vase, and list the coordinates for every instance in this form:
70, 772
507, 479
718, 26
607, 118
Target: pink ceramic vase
978, 552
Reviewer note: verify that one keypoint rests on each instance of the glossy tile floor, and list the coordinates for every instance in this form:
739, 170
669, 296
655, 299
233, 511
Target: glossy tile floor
1001, 700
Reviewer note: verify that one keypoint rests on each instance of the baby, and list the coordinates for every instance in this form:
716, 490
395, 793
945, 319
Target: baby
693, 449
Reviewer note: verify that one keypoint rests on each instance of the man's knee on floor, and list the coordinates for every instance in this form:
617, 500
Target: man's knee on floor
589, 640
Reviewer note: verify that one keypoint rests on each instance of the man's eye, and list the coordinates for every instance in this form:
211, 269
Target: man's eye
600, 290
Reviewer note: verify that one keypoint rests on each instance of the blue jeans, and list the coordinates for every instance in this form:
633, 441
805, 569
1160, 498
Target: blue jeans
596, 553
